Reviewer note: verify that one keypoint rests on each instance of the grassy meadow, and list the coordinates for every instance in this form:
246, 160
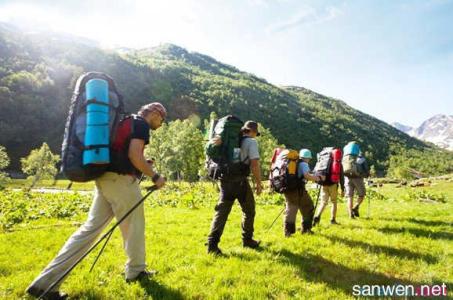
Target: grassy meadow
407, 238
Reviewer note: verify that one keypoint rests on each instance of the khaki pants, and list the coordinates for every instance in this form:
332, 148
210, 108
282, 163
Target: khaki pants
353, 184
299, 200
329, 191
114, 195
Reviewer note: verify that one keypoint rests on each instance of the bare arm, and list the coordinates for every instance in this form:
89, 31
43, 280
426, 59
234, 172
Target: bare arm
256, 171
311, 177
135, 154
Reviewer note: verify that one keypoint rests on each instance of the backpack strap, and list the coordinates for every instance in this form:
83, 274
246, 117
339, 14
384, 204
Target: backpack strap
95, 101
240, 142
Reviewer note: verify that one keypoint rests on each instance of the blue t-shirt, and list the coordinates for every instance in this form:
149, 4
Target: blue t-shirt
302, 169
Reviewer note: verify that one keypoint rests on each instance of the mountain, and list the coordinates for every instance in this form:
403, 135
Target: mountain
437, 130
38, 72
402, 127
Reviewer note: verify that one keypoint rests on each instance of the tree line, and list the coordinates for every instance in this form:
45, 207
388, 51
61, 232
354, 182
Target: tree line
37, 77
178, 151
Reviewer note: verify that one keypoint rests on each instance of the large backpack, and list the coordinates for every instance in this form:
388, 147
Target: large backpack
120, 162
355, 166
329, 165
362, 167
283, 175
224, 160
95, 110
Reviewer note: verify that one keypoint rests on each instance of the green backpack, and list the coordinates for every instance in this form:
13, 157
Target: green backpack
224, 160
355, 166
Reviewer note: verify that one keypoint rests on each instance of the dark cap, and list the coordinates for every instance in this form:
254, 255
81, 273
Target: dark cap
251, 125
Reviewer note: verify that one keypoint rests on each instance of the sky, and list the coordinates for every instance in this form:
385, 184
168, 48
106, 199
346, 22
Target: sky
388, 58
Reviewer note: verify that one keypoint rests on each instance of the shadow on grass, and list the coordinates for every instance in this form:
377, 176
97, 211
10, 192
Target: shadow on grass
418, 221
401, 253
429, 222
159, 291
317, 269
436, 235
152, 289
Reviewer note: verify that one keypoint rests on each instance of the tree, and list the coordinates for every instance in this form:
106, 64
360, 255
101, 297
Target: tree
4, 162
40, 164
177, 149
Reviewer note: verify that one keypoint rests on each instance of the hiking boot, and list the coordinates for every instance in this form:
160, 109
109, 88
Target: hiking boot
52, 295
250, 243
290, 228
214, 249
306, 227
355, 211
316, 220
333, 222
145, 274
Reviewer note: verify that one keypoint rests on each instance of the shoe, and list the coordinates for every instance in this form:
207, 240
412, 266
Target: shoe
306, 227
214, 249
355, 211
333, 222
250, 243
316, 220
145, 274
290, 228
52, 295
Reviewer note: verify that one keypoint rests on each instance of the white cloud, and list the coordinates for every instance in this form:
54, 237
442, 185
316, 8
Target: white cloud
143, 24
306, 16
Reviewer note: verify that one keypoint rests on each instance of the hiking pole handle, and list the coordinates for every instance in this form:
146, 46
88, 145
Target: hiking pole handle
107, 234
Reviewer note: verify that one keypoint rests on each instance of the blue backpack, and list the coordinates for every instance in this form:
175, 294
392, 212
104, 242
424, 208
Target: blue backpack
95, 111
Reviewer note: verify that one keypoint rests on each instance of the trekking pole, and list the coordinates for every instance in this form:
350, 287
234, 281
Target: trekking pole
110, 235
317, 200
275, 219
106, 235
102, 250
369, 203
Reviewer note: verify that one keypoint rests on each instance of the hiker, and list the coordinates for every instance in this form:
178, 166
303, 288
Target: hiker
355, 170
299, 199
116, 191
238, 187
329, 163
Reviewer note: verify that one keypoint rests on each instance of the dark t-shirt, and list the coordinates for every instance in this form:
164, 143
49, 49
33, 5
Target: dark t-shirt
120, 159
141, 130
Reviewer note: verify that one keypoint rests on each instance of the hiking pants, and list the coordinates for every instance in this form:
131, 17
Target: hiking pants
299, 200
230, 191
114, 196
329, 192
353, 184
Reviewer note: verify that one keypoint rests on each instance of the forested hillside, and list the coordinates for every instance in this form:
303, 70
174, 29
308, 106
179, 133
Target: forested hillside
38, 72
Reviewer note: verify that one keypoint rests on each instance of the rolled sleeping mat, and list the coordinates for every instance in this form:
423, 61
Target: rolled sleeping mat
97, 127
351, 149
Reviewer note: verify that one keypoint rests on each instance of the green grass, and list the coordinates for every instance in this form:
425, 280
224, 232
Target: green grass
48, 183
403, 241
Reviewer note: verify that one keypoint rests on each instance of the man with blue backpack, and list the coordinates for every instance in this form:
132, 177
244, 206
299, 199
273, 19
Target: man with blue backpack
355, 168
232, 154
117, 186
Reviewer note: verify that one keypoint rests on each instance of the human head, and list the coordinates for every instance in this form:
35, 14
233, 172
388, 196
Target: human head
250, 128
305, 155
154, 113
